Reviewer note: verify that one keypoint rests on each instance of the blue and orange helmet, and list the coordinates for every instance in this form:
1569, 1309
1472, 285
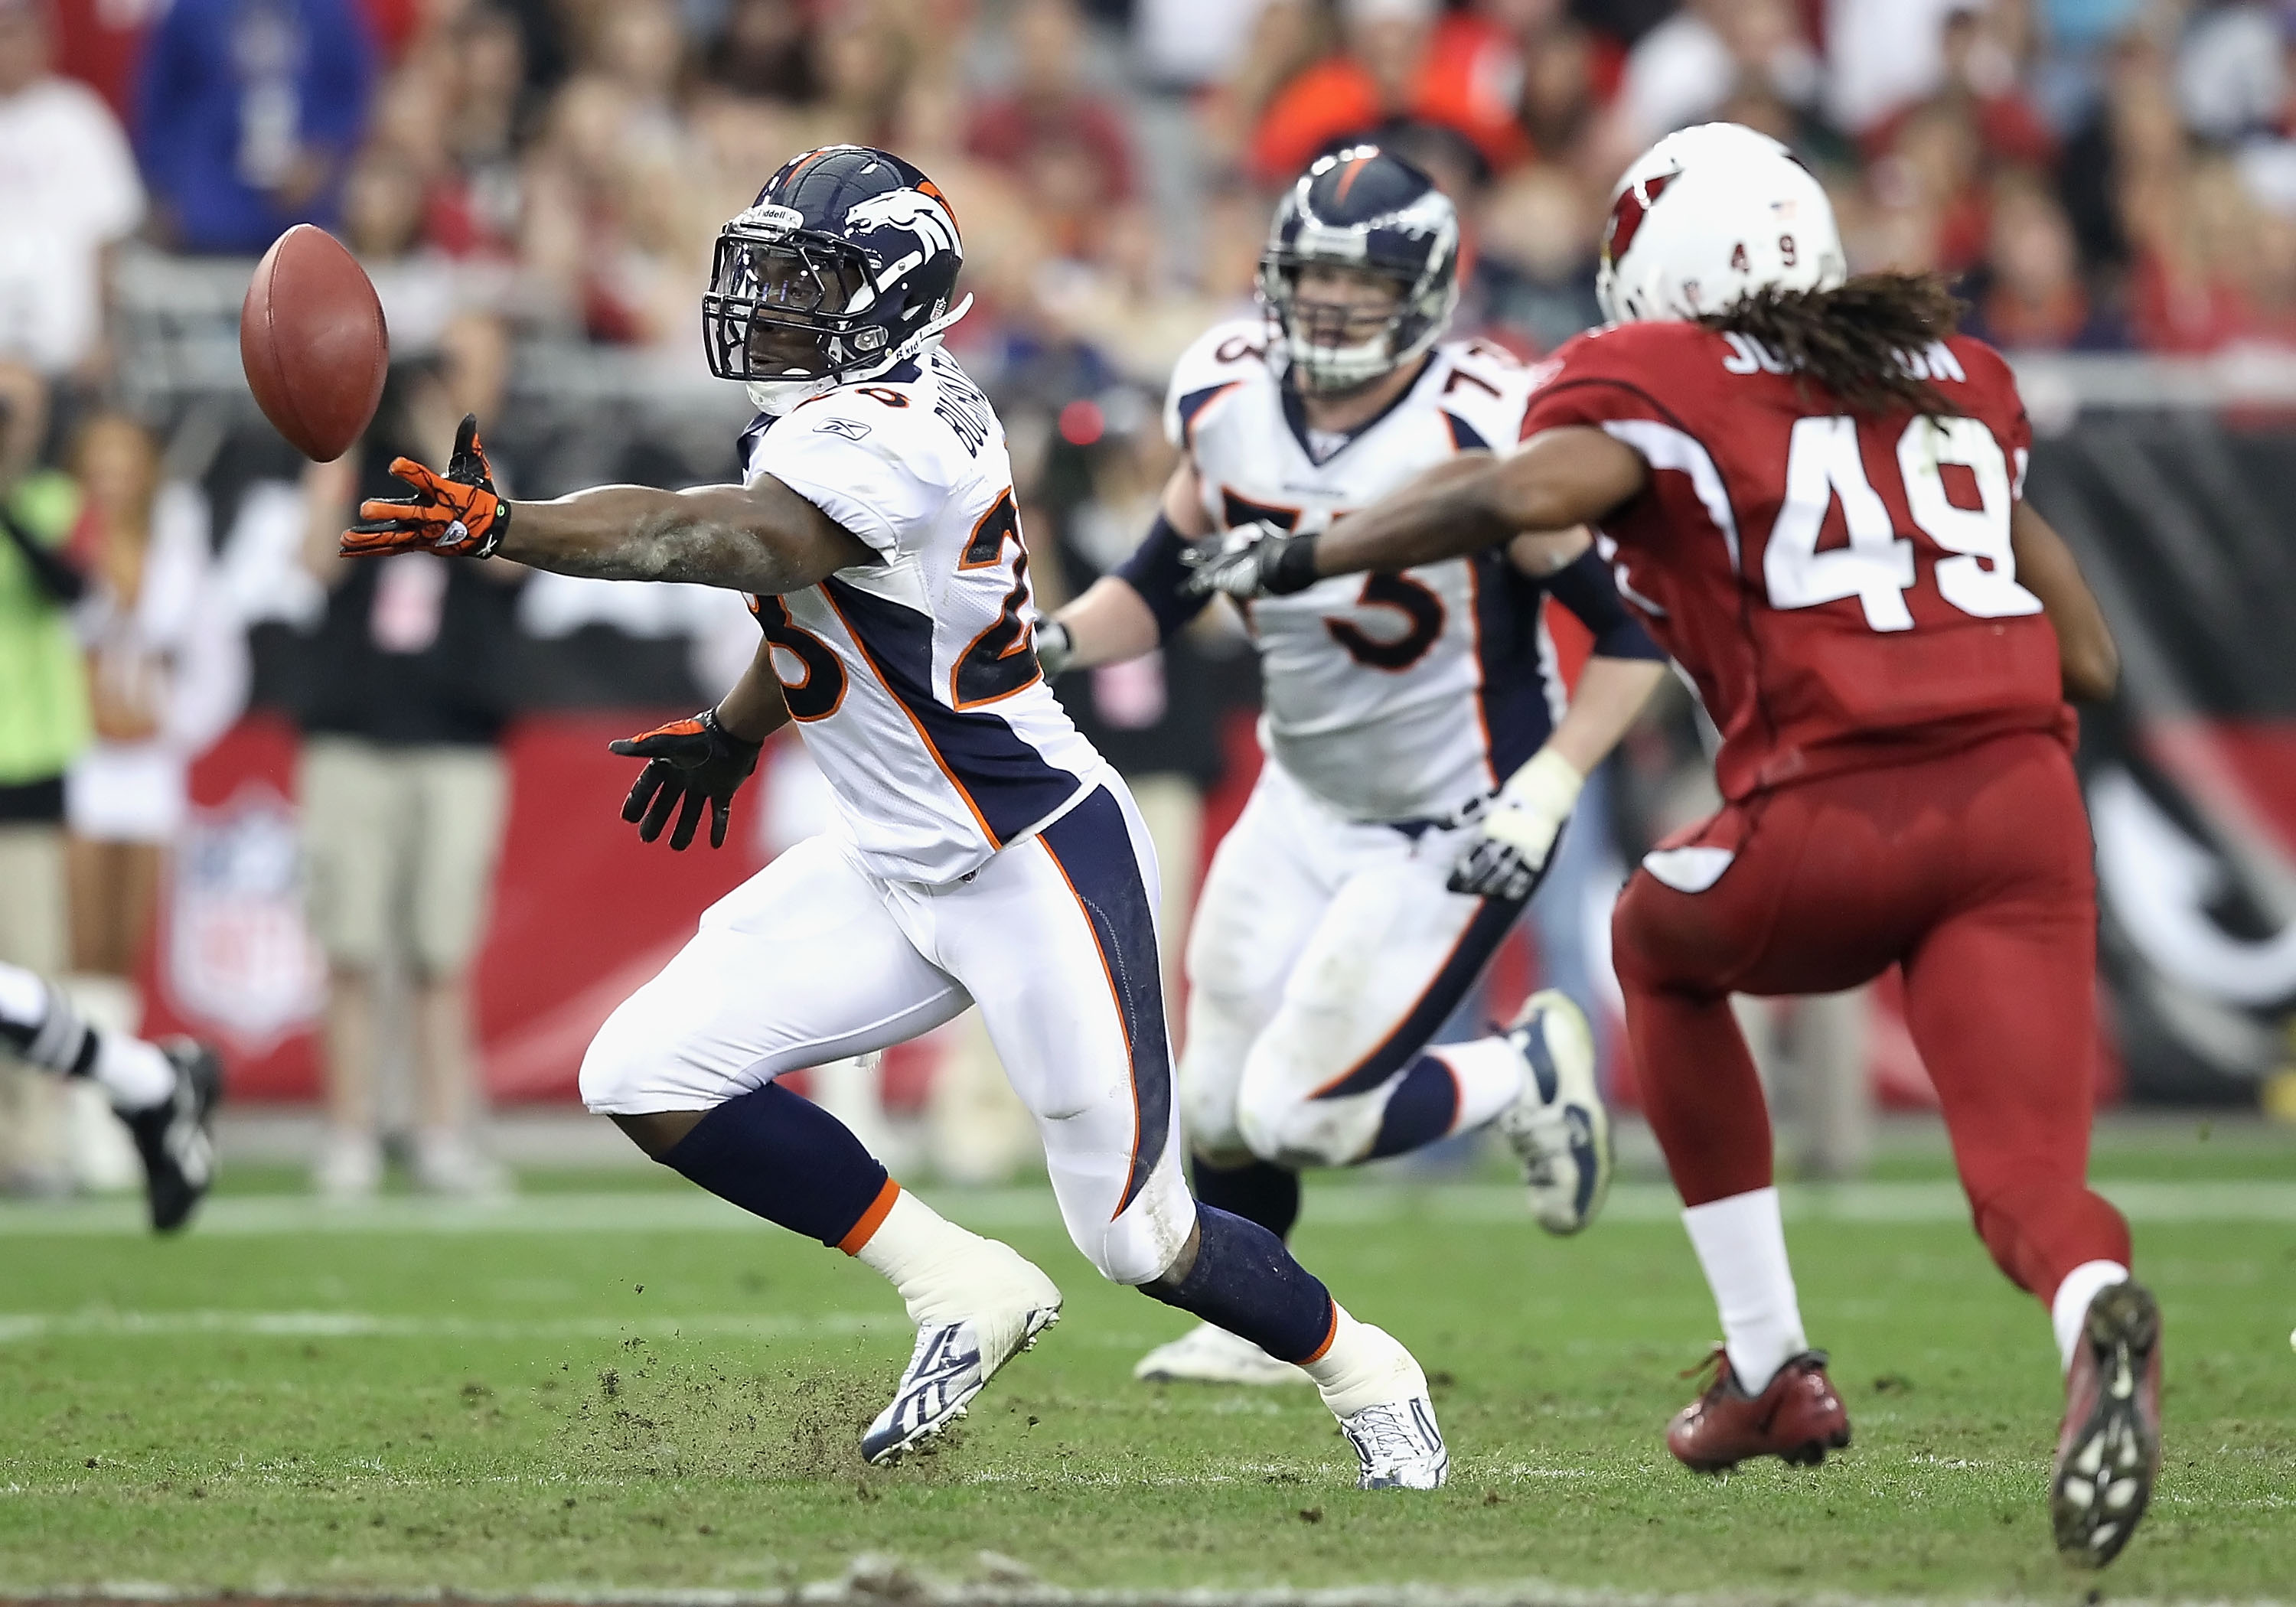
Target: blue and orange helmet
844, 266
1367, 209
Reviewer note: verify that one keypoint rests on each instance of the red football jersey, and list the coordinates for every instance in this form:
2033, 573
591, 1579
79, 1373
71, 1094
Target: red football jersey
1839, 586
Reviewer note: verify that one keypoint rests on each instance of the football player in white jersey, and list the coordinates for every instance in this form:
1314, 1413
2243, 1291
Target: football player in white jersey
988, 856
1421, 762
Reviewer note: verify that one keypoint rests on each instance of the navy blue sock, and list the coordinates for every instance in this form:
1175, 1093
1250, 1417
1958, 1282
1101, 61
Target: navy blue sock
1419, 1111
785, 1159
1246, 1282
1258, 1191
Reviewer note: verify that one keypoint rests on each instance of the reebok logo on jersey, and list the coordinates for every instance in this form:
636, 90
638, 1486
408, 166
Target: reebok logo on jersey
852, 429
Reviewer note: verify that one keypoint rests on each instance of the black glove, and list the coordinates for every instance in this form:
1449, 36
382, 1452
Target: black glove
698, 760
1251, 560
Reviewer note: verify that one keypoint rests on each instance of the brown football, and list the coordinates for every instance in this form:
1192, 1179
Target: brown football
312, 341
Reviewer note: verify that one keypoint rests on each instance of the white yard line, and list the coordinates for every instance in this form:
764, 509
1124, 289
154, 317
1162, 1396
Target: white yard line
288, 1215
17, 1327
873, 1581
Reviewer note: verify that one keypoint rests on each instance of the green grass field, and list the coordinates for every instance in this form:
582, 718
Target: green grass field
624, 1386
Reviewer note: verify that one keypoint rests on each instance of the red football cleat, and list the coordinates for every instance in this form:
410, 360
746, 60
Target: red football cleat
1798, 1418
2109, 1450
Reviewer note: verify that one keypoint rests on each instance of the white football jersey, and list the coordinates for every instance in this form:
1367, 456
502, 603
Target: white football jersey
1390, 697
913, 680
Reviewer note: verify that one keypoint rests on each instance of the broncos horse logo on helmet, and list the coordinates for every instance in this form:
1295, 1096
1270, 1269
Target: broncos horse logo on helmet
844, 267
1368, 210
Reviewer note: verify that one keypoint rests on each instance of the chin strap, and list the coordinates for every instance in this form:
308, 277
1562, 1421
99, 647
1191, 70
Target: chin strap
778, 397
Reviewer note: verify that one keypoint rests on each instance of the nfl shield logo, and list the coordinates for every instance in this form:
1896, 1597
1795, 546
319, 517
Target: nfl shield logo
238, 953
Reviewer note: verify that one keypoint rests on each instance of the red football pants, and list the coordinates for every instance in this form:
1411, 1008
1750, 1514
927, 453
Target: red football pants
1972, 871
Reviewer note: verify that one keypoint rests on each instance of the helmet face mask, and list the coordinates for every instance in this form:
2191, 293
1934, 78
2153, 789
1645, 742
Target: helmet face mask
1339, 335
1368, 216
784, 307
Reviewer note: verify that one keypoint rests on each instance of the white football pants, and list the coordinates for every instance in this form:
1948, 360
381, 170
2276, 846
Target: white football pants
1325, 953
1055, 938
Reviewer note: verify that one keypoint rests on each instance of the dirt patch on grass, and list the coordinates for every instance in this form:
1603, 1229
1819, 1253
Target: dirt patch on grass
667, 1410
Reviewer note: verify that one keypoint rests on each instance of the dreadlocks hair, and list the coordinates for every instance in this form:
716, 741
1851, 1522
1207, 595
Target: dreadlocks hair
1854, 340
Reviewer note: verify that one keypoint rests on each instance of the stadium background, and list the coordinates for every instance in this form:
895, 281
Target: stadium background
534, 185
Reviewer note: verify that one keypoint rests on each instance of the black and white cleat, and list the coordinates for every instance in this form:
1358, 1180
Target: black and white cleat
2109, 1450
952, 1363
174, 1137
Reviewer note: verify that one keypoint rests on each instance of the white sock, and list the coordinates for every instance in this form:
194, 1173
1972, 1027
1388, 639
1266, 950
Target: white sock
2069, 1305
942, 1271
42, 1028
1363, 1367
133, 1073
1490, 1075
1742, 1244
50, 1031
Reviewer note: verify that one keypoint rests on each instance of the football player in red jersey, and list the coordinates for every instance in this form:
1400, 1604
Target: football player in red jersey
1813, 491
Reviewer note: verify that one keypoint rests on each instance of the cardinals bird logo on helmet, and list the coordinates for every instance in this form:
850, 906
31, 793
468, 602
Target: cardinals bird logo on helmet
1709, 216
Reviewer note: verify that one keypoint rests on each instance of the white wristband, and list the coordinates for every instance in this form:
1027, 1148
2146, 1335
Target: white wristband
1549, 784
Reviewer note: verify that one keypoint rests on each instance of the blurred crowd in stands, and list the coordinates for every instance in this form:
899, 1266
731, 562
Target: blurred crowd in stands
2096, 174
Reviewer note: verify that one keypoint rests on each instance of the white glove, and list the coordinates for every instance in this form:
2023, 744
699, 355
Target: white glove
1516, 835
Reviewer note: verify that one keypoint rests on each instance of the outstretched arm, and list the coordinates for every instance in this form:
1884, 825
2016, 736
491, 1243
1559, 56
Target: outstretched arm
762, 537
757, 538
1560, 478
2087, 659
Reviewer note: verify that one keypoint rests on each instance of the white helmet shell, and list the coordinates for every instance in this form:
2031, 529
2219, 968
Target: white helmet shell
1711, 215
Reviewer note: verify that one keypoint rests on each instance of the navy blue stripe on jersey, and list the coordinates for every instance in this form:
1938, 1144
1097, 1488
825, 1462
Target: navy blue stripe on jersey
1155, 571
1468, 959
1464, 435
1194, 403
1517, 717
745, 450
1583, 585
1092, 845
1002, 777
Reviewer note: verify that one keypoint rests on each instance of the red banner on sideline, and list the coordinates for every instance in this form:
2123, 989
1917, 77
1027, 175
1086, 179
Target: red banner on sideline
582, 913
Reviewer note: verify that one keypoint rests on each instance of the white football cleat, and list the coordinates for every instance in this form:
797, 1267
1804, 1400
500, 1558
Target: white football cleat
1399, 1445
1558, 1126
1210, 1354
1381, 1399
954, 1360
